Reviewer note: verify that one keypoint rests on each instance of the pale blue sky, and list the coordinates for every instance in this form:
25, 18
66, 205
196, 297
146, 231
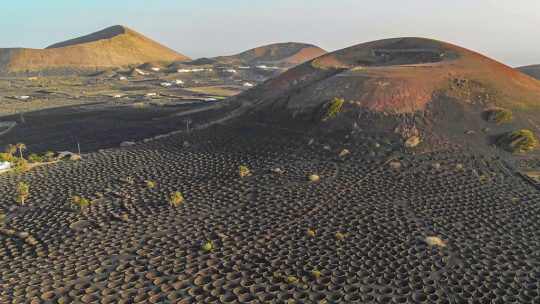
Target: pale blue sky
505, 30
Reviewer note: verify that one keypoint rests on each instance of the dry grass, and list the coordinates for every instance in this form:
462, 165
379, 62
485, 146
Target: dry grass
243, 171
535, 175
177, 198
139, 104
207, 246
224, 91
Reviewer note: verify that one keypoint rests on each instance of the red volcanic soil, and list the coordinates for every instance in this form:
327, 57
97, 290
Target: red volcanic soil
117, 46
399, 76
290, 53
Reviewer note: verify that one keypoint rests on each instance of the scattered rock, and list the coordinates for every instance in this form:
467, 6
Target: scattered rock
127, 144
80, 225
278, 170
75, 157
436, 166
412, 141
314, 178
344, 152
32, 241
434, 241
395, 165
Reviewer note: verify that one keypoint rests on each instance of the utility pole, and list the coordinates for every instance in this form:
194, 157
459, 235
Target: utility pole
79, 147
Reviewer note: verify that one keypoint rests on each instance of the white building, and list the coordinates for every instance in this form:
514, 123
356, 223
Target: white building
243, 68
230, 71
4, 166
151, 94
193, 70
141, 72
165, 84
248, 84
178, 82
155, 69
264, 67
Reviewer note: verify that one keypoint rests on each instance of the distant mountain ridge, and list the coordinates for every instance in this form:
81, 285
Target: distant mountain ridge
531, 70
116, 46
288, 53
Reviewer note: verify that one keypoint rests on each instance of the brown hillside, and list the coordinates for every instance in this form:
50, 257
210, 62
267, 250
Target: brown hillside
398, 76
290, 53
116, 46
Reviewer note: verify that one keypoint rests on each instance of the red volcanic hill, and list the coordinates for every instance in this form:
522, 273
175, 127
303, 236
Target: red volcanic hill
116, 46
531, 70
397, 76
290, 53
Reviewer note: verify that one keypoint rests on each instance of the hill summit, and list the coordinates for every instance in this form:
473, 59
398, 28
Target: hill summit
289, 53
399, 84
397, 76
116, 46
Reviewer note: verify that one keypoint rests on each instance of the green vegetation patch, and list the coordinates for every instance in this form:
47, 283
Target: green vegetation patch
518, 141
331, 109
469, 91
499, 115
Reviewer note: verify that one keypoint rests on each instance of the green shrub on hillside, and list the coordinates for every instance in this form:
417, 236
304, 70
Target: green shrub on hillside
35, 158
518, 141
22, 193
499, 115
331, 109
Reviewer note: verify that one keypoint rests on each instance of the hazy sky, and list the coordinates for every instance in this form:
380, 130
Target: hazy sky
505, 30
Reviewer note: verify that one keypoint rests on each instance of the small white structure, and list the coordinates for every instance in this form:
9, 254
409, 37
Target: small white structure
165, 84
264, 67
141, 72
24, 97
230, 71
32, 78
117, 96
193, 70
151, 94
243, 68
178, 82
208, 99
155, 69
248, 84
122, 78
4, 166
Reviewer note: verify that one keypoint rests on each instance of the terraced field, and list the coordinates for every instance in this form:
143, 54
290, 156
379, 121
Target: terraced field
358, 235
